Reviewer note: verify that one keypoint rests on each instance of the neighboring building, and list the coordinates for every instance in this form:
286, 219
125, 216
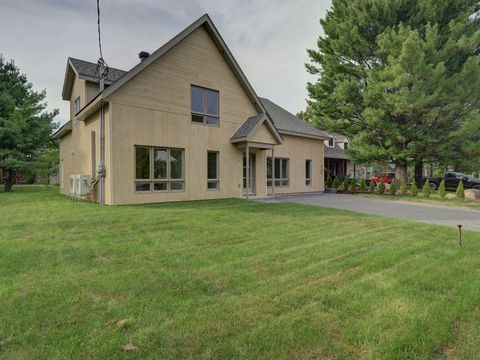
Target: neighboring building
337, 161
183, 124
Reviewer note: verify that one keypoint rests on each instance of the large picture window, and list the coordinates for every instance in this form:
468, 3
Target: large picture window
205, 106
308, 172
159, 169
213, 182
282, 172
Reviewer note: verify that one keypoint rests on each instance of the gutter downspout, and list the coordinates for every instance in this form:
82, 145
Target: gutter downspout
101, 168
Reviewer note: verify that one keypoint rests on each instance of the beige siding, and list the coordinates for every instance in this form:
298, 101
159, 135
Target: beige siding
263, 135
91, 90
299, 149
76, 153
154, 109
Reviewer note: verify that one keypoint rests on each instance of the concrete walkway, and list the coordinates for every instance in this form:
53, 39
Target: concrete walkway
428, 213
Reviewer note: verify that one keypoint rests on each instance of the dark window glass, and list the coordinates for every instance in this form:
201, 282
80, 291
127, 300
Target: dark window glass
160, 186
308, 169
212, 167
176, 164
330, 142
212, 185
212, 120
160, 157
197, 118
277, 169
197, 99
142, 163
212, 102
142, 186
176, 186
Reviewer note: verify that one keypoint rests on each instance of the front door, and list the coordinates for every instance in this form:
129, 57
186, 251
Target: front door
251, 180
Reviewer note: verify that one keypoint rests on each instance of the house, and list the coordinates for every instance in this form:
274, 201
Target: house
183, 124
337, 161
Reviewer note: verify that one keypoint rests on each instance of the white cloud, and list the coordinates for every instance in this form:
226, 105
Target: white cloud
268, 38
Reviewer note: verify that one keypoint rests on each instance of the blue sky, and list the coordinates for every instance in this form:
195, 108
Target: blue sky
268, 38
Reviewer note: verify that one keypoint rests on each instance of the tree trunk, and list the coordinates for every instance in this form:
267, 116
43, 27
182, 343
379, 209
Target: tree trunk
400, 172
9, 181
419, 172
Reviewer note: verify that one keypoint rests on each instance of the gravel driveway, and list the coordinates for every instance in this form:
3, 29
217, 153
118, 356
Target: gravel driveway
428, 213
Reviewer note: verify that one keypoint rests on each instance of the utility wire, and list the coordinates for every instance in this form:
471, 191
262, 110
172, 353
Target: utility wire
101, 71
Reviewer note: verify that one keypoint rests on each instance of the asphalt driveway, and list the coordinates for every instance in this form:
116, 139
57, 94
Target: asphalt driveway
428, 213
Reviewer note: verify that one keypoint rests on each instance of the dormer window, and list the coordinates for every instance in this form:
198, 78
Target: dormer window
76, 105
205, 106
331, 142
345, 145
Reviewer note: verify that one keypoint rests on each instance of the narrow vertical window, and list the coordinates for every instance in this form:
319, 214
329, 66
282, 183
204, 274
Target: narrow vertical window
308, 172
213, 181
77, 105
94, 155
142, 168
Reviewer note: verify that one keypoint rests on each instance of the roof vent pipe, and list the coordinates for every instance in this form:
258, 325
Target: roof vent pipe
142, 55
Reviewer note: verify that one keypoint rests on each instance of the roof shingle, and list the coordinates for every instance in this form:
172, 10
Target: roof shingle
88, 69
286, 121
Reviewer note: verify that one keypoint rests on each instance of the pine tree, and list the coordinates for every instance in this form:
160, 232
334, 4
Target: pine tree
372, 187
460, 194
396, 76
329, 181
414, 189
25, 128
441, 190
426, 189
393, 187
345, 185
381, 187
403, 188
353, 186
363, 185
336, 183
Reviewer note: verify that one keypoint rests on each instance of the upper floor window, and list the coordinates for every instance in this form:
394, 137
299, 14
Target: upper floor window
331, 141
205, 106
345, 145
159, 169
76, 105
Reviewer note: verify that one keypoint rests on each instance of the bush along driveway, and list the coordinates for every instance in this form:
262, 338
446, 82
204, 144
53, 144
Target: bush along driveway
423, 212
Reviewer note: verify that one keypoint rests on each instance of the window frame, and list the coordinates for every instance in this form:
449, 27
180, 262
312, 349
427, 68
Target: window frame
76, 106
205, 115
215, 181
168, 180
332, 140
282, 181
308, 172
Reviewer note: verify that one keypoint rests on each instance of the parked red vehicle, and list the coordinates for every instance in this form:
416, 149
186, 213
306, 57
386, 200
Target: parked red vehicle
387, 178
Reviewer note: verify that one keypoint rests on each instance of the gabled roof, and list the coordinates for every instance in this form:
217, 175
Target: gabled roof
289, 124
334, 153
207, 23
85, 70
65, 129
250, 126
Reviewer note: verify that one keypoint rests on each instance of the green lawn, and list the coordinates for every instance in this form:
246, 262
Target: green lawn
230, 279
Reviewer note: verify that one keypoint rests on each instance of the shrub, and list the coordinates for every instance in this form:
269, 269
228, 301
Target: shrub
403, 188
393, 187
329, 181
363, 185
460, 194
414, 189
381, 187
345, 185
426, 189
353, 186
372, 186
441, 190
336, 183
